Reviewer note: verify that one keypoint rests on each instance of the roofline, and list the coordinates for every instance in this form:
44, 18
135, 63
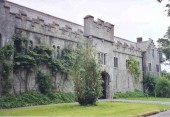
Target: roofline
43, 13
125, 39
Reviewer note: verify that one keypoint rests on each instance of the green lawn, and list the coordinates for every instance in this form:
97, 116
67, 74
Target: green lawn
150, 99
74, 109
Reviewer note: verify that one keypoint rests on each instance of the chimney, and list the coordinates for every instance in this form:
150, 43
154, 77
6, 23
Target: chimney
139, 39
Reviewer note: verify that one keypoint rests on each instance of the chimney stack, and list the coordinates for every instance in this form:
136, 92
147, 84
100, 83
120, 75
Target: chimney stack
139, 39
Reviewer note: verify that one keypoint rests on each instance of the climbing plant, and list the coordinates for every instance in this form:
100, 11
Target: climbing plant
134, 68
6, 53
34, 59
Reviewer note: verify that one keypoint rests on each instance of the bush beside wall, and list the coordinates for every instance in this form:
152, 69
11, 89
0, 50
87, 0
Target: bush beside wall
32, 98
130, 94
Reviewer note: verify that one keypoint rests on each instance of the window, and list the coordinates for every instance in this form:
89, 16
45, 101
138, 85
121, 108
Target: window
58, 52
30, 45
115, 62
38, 41
157, 68
102, 58
149, 66
138, 64
152, 52
127, 64
0, 40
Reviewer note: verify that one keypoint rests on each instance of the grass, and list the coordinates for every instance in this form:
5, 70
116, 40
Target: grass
74, 109
149, 99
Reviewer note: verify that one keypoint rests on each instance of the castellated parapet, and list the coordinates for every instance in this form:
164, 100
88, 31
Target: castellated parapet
99, 28
112, 51
36, 22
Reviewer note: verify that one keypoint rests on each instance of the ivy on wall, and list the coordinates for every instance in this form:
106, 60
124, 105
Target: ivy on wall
31, 59
6, 53
134, 68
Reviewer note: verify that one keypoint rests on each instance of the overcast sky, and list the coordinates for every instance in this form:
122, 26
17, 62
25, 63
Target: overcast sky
132, 18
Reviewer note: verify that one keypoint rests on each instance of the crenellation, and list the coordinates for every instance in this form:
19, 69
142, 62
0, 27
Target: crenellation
100, 22
41, 28
125, 45
22, 13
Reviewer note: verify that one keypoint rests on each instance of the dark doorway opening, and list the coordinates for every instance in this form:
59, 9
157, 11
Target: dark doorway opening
105, 85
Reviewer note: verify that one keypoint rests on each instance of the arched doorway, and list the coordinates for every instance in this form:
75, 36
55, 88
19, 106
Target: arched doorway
105, 85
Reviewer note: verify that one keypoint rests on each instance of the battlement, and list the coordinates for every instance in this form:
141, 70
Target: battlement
99, 28
39, 24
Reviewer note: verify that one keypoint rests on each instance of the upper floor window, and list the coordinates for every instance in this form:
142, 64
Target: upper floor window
115, 62
58, 52
153, 52
102, 58
127, 64
157, 68
149, 66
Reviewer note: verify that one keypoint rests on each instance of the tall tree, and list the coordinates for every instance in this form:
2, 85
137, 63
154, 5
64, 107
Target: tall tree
165, 44
167, 6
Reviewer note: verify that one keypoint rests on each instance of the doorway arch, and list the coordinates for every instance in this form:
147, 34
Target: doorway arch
105, 85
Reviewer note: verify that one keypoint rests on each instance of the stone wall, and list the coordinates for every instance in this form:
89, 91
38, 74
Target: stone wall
41, 28
152, 56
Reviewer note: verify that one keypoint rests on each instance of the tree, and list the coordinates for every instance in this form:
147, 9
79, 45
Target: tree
165, 44
86, 75
167, 6
165, 74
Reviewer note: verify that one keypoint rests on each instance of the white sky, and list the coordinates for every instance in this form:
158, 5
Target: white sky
132, 18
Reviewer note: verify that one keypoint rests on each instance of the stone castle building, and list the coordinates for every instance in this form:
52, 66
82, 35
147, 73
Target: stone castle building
112, 50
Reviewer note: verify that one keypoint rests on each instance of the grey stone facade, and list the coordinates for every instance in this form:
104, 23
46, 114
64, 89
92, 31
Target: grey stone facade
43, 28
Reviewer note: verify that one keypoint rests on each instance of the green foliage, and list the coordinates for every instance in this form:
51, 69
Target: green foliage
44, 82
32, 98
149, 84
165, 43
134, 68
43, 54
86, 75
60, 97
31, 59
7, 65
130, 94
165, 74
162, 88
167, 6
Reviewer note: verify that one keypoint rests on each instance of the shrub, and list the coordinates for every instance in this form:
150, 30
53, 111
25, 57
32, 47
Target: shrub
149, 84
130, 94
162, 88
32, 98
60, 97
29, 98
44, 82
86, 76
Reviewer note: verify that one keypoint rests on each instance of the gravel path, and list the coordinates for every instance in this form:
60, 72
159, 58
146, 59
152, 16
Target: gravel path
162, 114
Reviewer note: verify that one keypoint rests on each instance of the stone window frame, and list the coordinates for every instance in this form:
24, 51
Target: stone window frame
149, 67
102, 57
153, 53
127, 64
157, 68
116, 62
